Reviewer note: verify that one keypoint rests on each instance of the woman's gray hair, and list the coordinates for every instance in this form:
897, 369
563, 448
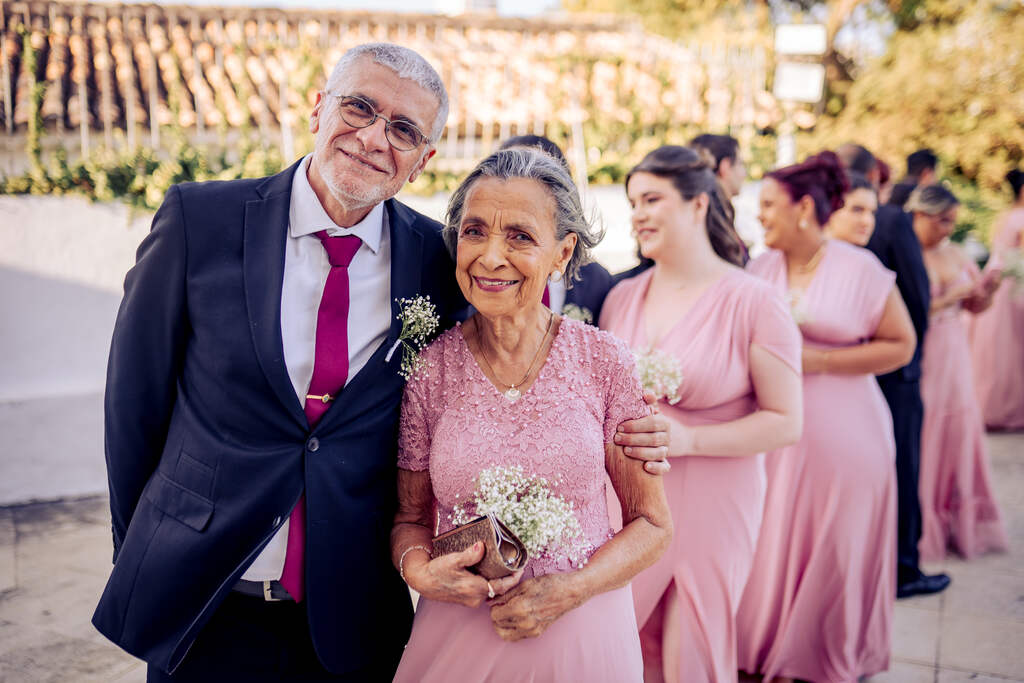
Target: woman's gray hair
532, 163
407, 64
931, 200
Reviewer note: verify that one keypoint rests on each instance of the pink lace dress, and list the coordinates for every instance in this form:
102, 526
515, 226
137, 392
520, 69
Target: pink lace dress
455, 423
958, 510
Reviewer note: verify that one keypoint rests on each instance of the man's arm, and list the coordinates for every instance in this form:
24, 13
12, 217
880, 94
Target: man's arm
911, 277
145, 356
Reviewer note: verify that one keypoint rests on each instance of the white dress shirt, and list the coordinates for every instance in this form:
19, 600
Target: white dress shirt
305, 272
556, 294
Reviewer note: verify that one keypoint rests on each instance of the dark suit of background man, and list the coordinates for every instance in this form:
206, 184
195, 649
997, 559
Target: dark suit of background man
896, 246
214, 442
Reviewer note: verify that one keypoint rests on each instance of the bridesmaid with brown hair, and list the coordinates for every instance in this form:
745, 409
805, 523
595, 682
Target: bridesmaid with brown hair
739, 353
819, 603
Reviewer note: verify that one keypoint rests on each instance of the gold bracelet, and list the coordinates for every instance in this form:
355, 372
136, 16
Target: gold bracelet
401, 560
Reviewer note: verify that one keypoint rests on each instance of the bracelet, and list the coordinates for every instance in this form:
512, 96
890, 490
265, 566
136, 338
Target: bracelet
401, 560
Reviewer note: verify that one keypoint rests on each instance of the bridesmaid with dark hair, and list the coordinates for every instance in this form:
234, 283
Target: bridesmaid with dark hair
819, 603
739, 353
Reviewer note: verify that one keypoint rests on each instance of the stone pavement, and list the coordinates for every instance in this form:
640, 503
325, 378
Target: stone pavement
54, 559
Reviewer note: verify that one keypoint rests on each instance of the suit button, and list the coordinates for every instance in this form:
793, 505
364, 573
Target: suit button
313, 445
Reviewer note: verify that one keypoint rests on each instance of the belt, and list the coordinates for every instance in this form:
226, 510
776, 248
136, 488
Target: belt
270, 591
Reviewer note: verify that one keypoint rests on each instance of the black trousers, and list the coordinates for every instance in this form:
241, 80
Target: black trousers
252, 641
904, 400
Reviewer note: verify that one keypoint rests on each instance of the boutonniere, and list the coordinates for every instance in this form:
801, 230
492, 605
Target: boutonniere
660, 374
581, 313
419, 322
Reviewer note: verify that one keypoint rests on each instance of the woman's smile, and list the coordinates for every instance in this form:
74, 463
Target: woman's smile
493, 284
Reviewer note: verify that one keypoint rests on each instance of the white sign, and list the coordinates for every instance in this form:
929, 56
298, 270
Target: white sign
800, 39
799, 82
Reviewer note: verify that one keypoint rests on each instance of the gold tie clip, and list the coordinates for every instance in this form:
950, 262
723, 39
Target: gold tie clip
325, 398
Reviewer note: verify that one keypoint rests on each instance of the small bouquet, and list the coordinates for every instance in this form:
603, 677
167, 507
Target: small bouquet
419, 322
1012, 268
544, 521
660, 374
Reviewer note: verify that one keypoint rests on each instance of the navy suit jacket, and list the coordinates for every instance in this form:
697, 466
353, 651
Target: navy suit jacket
207, 445
590, 289
896, 246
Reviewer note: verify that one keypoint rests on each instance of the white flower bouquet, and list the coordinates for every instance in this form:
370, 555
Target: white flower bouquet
660, 374
419, 322
544, 521
797, 307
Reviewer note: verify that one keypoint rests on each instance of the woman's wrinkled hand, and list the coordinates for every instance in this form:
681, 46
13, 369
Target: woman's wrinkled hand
529, 608
447, 578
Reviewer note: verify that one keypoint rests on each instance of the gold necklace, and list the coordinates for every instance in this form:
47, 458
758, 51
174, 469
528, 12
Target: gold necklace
512, 393
813, 262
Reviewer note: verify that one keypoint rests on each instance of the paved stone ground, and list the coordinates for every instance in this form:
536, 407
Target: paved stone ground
54, 559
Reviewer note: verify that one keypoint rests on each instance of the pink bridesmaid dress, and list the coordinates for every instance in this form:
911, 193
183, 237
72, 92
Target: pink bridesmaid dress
455, 423
958, 510
687, 601
819, 602
997, 339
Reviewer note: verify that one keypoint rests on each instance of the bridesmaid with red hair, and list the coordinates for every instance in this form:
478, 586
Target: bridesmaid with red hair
819, 602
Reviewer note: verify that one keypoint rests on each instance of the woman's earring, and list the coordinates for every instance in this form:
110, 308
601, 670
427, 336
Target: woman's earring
556, 275
803, 225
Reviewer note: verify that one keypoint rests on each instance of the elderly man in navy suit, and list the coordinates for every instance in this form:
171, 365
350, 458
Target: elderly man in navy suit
252, 403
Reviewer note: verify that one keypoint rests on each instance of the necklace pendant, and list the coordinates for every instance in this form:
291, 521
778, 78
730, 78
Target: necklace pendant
512, 394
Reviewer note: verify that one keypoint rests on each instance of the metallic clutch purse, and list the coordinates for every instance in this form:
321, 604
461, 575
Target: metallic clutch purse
503, 552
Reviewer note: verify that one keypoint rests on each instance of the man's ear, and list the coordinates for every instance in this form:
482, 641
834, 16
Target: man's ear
314, 116
420, 166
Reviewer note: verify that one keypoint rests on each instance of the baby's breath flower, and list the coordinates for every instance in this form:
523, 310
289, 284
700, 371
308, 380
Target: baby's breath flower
1012, 268
660, 374
581, 313
544, 521
419, 322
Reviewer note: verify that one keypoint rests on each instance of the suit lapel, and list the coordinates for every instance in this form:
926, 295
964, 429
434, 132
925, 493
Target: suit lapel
266, 231
406, 270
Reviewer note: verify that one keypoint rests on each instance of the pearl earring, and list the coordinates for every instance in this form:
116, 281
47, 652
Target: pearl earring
556, 275
803, 225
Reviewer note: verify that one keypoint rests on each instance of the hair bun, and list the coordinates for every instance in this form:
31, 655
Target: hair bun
834, 180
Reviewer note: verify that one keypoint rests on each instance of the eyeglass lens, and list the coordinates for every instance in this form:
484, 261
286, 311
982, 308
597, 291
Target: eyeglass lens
359, 113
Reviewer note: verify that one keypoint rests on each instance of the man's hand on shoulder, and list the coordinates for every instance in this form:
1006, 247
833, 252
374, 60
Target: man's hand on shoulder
646, 438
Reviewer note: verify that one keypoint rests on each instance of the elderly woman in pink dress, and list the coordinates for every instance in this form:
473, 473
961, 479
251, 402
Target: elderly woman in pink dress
997, 334
819, 602
958, 510
517, 385
739, 355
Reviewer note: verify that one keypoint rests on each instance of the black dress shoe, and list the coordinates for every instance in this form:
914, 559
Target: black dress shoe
923, 585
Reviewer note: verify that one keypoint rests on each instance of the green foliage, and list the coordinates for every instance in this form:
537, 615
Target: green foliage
139, 176
953, 84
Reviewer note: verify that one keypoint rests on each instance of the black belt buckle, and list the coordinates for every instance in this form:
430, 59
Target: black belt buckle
268, 591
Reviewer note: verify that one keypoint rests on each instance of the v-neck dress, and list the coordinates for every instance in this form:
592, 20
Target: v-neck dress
686, 603
454, 424
819, 602
958, 509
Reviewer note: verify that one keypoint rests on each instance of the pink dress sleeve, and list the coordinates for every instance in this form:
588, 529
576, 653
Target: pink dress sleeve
876, 283
416, 424
775, 331
624, 397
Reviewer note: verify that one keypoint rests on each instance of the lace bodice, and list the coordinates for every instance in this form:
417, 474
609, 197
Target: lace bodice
456, 423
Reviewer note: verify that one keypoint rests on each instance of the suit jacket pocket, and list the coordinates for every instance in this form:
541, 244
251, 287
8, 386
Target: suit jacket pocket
175, 500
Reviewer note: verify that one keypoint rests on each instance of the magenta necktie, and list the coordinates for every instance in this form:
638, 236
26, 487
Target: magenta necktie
546, 299
330, 371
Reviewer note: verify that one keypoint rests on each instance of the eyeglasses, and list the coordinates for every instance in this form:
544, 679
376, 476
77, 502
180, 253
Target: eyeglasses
358, 113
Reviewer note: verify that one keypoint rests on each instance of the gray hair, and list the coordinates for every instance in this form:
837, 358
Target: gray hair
931, 200
534, 164
407, 64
